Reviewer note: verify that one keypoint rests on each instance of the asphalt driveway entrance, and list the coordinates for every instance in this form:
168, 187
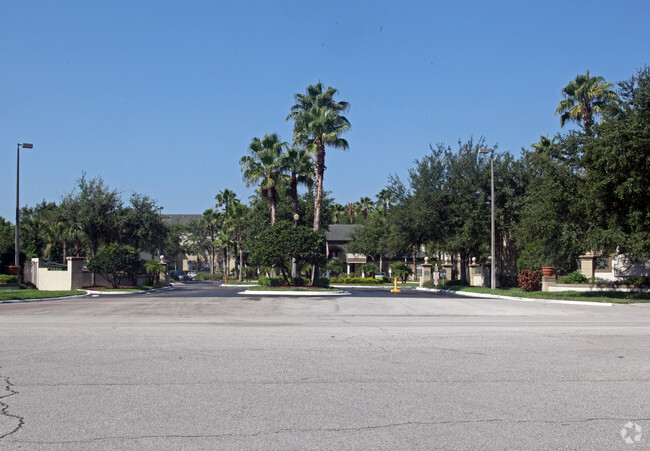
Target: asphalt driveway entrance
200, 367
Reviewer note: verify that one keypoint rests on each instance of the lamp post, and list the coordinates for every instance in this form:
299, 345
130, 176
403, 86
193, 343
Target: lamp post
17, 234
492, 274
160, 209
294, 267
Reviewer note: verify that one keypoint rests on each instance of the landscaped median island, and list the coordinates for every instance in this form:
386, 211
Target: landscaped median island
312, 289
615, 297
19, 295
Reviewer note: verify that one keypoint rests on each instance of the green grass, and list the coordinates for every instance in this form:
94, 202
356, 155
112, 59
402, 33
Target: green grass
619, 297
10, 295
258, 288
383, 284
252, 282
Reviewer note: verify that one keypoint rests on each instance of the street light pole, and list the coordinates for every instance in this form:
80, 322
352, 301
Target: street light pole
294, 267
17, 231
492, 272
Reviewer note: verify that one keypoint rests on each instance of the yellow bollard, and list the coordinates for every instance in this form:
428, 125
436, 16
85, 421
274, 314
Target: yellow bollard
395, 290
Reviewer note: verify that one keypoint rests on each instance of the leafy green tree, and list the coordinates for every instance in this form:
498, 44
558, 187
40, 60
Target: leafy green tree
584, 98
7, 243
94, 210
617, 172
550, 231
371, 239
197, 240
278, 244
141, 224
319, 122
263, 167
113, 262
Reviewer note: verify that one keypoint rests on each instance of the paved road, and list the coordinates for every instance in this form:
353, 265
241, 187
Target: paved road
201, 367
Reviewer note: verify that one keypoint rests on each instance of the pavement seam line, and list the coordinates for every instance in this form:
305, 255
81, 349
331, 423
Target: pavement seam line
4, 407
334, 429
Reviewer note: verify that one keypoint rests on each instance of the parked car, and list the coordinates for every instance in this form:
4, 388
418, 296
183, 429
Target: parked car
179, 276
380, 275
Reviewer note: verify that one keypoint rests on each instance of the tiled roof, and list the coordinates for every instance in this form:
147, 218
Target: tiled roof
340, 232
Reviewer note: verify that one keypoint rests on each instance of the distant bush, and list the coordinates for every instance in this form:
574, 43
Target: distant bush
6, 278
207, 276
401, 270
322, 282
638, 282
272, 281
574, 277
530, 280
354, 280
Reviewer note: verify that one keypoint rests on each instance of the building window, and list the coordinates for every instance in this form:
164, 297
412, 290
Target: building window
603, 264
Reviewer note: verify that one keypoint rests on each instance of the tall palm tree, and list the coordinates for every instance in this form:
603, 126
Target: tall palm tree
351, 210
225, 240
297, 165
225, 197
235, 223
584, 97
263, 167
210, 219
338, 211
366, 205
384, 198
318, 122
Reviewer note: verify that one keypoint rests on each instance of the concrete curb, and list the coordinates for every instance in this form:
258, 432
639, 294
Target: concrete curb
295, 293
514, 298
121, 293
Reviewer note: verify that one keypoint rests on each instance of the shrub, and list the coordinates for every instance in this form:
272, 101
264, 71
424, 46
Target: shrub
271, 281
114, 261
401, 270
638, 282
6, 278
353, 280
574, 277
208, 276
322, 282
530, 280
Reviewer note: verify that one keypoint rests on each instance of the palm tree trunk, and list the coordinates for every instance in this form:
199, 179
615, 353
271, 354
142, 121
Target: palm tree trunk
241, 262
273, 203
319, 172
294, 194
415, 266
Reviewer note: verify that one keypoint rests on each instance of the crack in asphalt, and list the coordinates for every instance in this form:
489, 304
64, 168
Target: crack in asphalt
4, 407
337, 429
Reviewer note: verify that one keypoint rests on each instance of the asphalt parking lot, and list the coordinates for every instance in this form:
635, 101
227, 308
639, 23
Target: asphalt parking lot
202, 367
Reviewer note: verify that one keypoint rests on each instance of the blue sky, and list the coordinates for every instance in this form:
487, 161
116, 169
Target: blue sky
163, 97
